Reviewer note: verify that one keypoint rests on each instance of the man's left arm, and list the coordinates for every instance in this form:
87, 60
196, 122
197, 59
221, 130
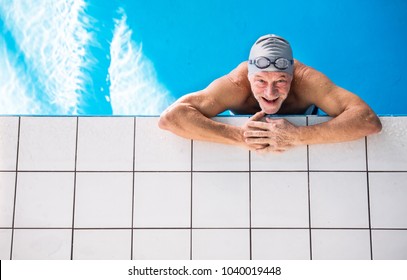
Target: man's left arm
352, 117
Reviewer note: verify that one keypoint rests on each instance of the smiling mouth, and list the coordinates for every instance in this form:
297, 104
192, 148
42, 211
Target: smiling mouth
270, 101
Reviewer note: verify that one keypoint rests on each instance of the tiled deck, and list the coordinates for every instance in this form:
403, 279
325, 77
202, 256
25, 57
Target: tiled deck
121, 188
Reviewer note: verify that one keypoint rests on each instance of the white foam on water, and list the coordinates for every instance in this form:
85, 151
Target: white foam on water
52, 38
15, 96
51, 66
134, 87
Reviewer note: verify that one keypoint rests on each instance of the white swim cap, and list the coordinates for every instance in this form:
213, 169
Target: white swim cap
271, 53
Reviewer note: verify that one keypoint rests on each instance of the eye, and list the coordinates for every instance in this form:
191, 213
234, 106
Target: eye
260, 83
281, 83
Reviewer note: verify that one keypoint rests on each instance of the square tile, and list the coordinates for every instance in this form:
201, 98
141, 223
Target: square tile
160, 150
7, 189
349, 156
339, 200
280, 199
220, 200
5, 244
387, 151
47, 143
42, 244
281, 244
340, 244
103, 200
389, 244
8, 142
292, 159
162, 200
388, 197
221, 244
161, 244
209, 156
44, 199
105, 144
102, 245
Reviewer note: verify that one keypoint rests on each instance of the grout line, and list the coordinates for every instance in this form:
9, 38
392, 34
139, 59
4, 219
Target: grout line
368, 201
203, 228
250, 207
192, 180
373, 228
388, 171
213, 171
127, 228
15, 188
309, 200
70, 171
314, 228
133, 186
65, 228
74, 186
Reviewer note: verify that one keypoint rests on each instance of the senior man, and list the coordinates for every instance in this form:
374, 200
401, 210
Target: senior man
271, 82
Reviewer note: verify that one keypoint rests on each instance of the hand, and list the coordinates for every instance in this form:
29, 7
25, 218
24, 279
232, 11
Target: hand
275, 135
245, 128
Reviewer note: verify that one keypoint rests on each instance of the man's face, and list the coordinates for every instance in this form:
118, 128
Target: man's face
270, 89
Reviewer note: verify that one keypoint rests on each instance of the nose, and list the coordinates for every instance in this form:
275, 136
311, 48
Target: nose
270, 91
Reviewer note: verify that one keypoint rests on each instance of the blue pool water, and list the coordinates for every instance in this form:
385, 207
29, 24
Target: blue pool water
133, 57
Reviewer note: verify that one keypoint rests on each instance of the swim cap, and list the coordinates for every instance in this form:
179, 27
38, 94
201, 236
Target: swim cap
271, 47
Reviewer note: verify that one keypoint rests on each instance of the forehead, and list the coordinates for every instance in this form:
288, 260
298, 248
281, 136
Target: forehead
271, 75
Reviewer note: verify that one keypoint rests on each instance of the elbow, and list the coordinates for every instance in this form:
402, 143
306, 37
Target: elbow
374, 124
169, 119
164, 122
377, 127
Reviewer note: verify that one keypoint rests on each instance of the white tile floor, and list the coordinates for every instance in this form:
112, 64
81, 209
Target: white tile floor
121, 188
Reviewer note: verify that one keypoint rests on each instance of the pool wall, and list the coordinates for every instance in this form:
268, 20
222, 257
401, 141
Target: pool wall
121, 188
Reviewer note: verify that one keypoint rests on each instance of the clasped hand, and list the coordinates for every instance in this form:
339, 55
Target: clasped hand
273, 135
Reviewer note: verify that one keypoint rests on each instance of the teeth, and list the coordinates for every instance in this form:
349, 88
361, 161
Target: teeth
270, 100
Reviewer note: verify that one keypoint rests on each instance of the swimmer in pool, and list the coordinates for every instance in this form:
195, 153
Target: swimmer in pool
271, 82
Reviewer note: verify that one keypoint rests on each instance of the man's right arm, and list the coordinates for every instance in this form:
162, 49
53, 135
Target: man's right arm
190, 116
185, 119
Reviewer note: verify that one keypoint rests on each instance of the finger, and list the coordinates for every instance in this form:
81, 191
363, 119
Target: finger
270, 120
260, 125
255, 133
274, 121
252, 141
269, 150
258, 116
265, 150
256, 147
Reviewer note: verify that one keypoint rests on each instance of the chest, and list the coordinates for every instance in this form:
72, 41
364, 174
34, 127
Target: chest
293, 105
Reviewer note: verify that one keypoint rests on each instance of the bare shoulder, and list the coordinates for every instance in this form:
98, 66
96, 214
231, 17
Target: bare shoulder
241, 96
306, 75
308, 82
238, 76
229, 92
312, 86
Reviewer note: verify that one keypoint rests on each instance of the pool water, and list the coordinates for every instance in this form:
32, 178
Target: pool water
84, 57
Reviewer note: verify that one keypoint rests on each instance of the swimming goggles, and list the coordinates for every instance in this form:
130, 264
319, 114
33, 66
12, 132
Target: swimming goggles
263, 62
